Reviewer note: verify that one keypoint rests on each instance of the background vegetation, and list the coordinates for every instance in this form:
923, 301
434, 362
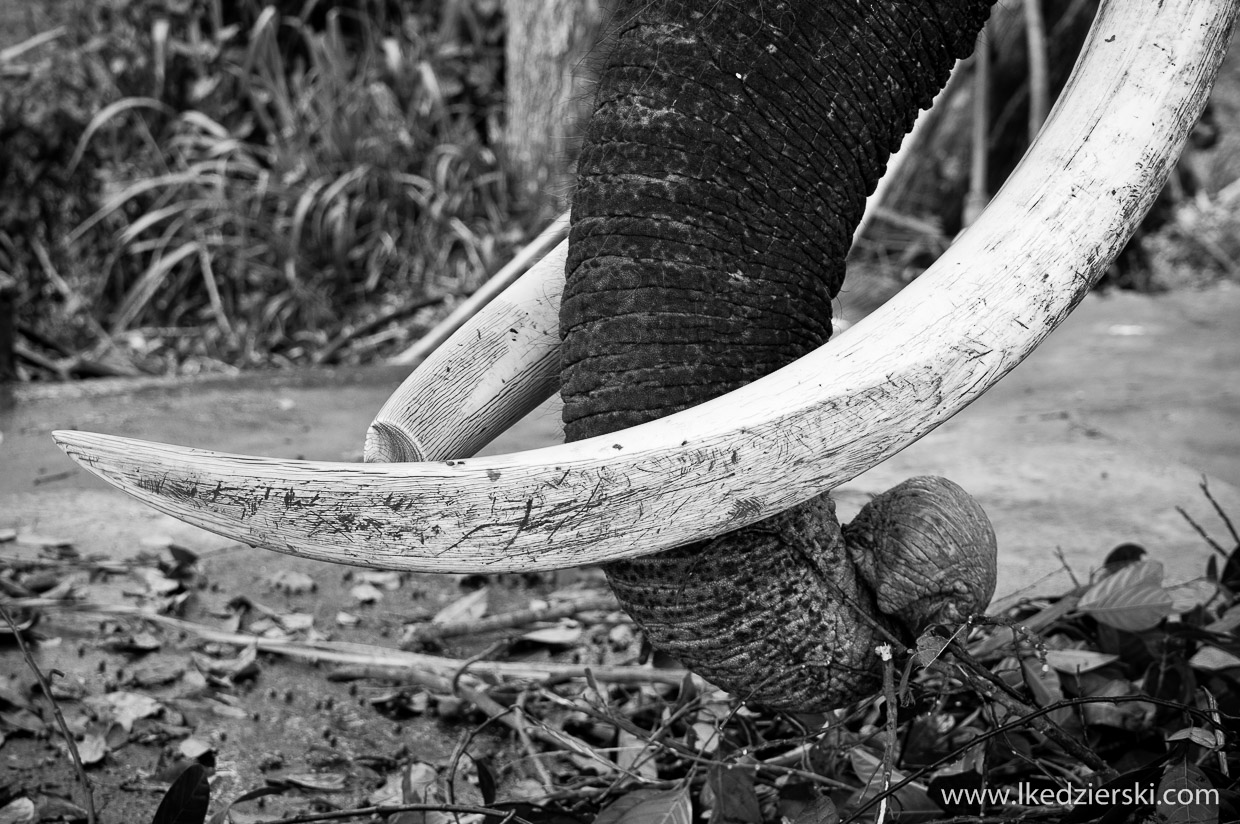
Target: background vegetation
198, 184
210, 185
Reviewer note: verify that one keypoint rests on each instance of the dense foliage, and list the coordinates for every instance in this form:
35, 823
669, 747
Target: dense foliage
198, 183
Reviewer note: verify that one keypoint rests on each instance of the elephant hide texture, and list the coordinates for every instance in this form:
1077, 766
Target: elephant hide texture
723, 171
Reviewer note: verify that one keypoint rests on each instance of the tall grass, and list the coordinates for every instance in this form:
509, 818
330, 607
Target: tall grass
261, 183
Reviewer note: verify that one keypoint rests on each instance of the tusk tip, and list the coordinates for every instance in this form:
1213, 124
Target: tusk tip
67, 438
389, 443
80, 446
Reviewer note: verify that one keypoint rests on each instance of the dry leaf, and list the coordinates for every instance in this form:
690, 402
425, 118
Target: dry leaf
565, 634
92, 749
383, 579
1213, 659
470, 607
1077, 661
291, 583
123, 708
366, 594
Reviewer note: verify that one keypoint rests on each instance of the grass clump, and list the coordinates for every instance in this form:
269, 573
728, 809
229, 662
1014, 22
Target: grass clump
204, 185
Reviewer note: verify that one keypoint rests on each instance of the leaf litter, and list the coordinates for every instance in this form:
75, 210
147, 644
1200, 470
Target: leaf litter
520, 700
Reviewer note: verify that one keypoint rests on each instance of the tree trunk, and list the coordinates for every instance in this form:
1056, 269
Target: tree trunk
8, 327
546, 42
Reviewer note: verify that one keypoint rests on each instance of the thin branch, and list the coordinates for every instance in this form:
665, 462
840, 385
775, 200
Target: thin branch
341, 815
535, 728
1205, 536
436, 672
521, 617
351, 333
1008, 697
1205, 489
889, 750
46, 686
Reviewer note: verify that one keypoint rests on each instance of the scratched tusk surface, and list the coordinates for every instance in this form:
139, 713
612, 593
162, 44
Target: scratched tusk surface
503, 360
1096, 167
501, 363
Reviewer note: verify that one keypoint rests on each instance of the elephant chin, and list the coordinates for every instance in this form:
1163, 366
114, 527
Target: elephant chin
787, 613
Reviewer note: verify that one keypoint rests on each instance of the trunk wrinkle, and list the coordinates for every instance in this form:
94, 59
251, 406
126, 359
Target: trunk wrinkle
721, 177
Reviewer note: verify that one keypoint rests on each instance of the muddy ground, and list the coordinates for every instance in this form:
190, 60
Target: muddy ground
1095, 440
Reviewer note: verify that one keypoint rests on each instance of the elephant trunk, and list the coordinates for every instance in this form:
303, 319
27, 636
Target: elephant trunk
723, 171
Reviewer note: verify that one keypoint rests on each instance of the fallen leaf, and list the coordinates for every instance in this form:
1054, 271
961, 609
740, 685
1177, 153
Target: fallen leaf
291, 583
244, 665
1211, 739
1134, 609
92, 749
1213, 659
819, 811
468, 608
1043, 682
51, 808
734, 800
912, 798
1228, 621
124, 708
297, 621
227, 710
139, 643
187, 799
384, 579
154, 675
1129, 715
321, 782
69, 688
929, 647
1076, 661
1180, 794
621, 637
18, 811
366, 594
194, 748
634, 756
649, 807
565, 634
158, 583
1192, 594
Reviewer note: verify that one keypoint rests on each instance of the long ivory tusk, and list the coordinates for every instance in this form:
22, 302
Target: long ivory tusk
1097, 166
503, 358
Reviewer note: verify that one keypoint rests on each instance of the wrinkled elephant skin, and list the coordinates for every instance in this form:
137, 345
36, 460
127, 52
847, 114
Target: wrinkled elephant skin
724, 170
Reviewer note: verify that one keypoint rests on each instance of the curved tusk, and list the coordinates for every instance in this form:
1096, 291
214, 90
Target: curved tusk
501, 363
1097, 166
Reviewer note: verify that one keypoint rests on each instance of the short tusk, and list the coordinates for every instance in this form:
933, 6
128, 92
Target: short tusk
1097, 166
503, 359
501, 363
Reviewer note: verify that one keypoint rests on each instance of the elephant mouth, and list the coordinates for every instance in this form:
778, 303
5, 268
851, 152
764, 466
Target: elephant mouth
1008, 282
